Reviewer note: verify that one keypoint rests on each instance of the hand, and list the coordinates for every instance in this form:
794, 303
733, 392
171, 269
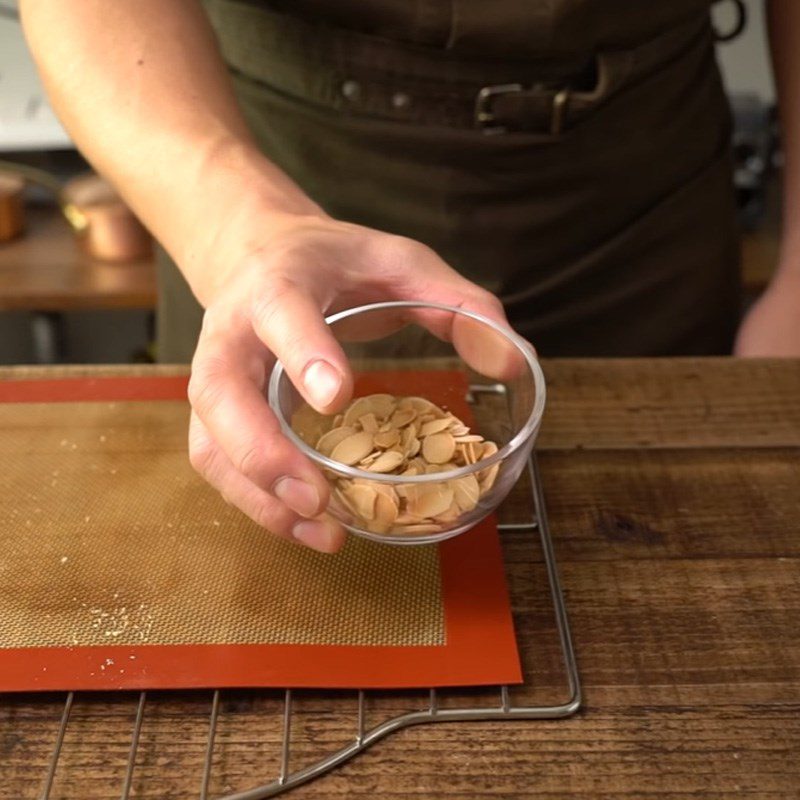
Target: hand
772, 326
271, 304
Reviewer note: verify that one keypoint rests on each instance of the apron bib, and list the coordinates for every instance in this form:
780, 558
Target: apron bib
572, 156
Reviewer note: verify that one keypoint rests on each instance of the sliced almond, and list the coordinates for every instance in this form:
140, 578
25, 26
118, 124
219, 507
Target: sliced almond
369, 423
363, 499
423, 527
381, 405
459, 429
356, 410
438, 448
405, 518
487, 477
329, 440
338, 421
373, 456
466, 491
451, 515
387, 489
340, 498
386, 461
430, 469
428, 501
468, 452
470, 438
488, 449
353, 448
386, 510
435, 426
421, 405
388, 438
402, 417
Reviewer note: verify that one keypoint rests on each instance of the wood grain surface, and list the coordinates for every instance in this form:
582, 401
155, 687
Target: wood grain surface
673, 490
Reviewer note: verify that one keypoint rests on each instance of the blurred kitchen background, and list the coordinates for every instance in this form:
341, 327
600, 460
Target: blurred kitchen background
59, 304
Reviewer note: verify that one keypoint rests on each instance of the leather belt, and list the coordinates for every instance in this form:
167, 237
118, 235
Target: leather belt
365, 75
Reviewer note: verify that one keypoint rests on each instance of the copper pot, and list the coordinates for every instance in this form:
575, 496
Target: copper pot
105, 227
12, 211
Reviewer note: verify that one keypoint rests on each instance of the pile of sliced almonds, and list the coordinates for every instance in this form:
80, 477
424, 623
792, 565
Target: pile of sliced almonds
407, 436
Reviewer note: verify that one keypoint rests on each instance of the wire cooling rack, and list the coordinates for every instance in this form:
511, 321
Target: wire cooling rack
502, 708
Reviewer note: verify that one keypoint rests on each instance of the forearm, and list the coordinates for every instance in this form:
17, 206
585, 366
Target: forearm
784, 35
141, 88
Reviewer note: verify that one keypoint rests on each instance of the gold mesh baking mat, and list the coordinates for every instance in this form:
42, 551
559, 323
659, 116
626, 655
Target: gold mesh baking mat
112, 545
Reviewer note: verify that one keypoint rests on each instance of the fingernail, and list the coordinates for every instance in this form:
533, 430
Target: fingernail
301, 497
316, 535
322, 382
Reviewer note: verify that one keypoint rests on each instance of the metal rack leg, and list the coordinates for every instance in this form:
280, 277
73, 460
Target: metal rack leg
62, 729
137, 729
212, 731
287, 734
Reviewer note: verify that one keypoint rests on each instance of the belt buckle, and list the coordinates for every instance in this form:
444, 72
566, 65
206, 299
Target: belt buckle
484, 115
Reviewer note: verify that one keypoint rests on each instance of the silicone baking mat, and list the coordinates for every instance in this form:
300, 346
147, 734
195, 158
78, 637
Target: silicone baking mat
121, 569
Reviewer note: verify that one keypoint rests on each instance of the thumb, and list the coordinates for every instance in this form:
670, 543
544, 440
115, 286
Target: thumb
489, 351
290, 323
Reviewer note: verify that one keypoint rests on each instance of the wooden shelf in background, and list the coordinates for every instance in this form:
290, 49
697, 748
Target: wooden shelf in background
45, 270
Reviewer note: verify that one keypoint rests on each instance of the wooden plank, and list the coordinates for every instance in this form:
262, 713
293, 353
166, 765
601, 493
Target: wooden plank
623, 752
687, 402
622, 505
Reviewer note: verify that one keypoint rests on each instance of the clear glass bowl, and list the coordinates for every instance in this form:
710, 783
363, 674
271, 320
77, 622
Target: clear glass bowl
446, 355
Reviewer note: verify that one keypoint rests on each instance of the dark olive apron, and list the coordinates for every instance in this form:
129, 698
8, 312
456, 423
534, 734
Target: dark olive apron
571, 155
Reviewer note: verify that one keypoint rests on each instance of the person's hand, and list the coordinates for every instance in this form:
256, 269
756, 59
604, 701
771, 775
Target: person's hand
270, 303
772, 326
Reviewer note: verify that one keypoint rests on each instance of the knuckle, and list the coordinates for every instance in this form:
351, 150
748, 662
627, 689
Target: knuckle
201, 394
411, 249
266, 517
205, 384
252, 464
201, 456
215, 318
491, 300
398, 251
267, 299
274, 517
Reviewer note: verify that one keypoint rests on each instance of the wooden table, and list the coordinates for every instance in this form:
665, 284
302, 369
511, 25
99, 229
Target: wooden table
674, 499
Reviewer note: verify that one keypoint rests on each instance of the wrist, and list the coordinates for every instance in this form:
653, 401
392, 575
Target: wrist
240, 196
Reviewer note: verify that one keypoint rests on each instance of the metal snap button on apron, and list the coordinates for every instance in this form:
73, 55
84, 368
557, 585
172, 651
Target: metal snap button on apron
401, 100
351, 90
